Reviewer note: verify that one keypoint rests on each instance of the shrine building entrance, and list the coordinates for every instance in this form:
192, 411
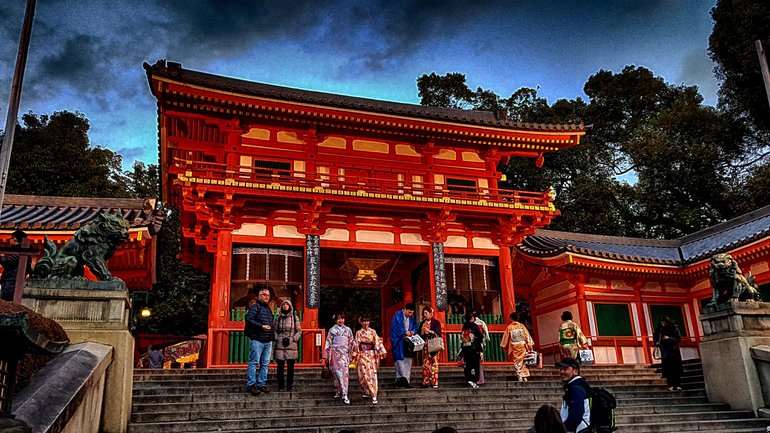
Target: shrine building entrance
370, 283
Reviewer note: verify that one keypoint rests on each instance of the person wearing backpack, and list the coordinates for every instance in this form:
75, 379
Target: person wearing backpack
575, 406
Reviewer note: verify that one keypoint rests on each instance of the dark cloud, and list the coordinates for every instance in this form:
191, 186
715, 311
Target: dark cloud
130, 154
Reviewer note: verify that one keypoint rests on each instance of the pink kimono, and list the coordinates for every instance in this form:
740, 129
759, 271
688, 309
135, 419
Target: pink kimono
338, 352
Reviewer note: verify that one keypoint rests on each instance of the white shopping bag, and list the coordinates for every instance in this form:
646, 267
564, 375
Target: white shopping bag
586, 357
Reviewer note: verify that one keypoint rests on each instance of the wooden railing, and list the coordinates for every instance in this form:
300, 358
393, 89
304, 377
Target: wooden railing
378, 182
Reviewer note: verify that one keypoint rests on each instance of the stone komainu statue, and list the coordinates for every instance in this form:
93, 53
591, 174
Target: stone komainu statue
92, 245
729, 283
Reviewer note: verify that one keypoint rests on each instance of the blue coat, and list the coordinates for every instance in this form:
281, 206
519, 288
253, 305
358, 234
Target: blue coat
398, 332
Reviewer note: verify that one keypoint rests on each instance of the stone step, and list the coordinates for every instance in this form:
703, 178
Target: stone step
426, 422
406, 398
487, 390
143, 388
214, 400
246, 410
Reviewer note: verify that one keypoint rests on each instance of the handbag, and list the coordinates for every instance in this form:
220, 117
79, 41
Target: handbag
532, 358
435, 344
586, 356
656, 353
326, 374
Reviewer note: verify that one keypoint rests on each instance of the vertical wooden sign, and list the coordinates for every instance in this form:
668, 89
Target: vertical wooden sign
312, 270
439, 276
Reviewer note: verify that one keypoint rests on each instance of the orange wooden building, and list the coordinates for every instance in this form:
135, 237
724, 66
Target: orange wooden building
345, 202
309, 191
617, 288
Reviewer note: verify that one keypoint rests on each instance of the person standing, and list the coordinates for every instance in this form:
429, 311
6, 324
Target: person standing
575, 406
667, 338
288, 331
368, 351
517, 342
258, 327
430, 328
571, 337
470, 341
337, 355
485, 332
154, 357
402, 325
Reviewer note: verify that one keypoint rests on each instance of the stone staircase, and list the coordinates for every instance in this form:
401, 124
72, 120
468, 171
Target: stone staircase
214, 401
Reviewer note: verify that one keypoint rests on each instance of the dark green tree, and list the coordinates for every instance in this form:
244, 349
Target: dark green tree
180, 298
143, 181
683, 158
737, 25
52, 155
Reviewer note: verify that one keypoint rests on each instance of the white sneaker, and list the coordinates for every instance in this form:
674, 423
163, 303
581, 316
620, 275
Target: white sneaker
472, 384
336, 395
345, 399
374, 400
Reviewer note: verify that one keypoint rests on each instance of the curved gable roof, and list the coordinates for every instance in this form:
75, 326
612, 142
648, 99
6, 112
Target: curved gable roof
694, 247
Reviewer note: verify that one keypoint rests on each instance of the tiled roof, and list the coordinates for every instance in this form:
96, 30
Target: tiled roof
32, 212
720, 238
486, 118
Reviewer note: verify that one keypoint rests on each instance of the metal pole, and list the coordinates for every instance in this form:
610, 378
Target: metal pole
13, 103
763, 66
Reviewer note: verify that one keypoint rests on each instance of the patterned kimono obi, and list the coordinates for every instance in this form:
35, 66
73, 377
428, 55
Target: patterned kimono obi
571, 339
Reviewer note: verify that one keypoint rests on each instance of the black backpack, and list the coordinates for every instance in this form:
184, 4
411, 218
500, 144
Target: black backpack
602, 405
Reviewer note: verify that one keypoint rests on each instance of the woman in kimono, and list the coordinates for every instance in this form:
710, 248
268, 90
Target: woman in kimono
429, 328
571, 337
517, 342
368, 351
337, 354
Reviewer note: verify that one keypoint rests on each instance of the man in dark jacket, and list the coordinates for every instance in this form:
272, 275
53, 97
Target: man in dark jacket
259, 321
575, 407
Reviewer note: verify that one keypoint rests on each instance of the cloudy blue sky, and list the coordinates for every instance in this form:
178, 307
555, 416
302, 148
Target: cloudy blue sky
87, 55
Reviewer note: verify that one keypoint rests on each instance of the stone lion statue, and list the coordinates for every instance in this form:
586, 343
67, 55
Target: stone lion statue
92, 245
728, 282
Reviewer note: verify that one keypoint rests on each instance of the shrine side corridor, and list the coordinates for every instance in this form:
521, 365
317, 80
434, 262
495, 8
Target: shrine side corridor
214, 400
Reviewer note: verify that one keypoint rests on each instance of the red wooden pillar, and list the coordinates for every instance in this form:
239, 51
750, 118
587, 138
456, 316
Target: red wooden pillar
642, 320
580, 294
506, 281
219, 306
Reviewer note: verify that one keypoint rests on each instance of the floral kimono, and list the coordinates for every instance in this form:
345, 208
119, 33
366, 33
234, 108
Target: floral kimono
516, 341
571, 339
338, 352
368, 349
430, 328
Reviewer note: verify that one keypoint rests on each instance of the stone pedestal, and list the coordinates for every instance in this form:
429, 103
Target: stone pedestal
93, 311
729, 370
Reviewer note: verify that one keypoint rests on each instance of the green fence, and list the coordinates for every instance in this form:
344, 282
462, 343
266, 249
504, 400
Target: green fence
489, 319
492, 350
240, 345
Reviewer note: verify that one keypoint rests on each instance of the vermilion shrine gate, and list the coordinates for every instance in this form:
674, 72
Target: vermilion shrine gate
311, 192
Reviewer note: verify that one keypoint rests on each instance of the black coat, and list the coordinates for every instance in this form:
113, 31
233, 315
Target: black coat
259, 314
